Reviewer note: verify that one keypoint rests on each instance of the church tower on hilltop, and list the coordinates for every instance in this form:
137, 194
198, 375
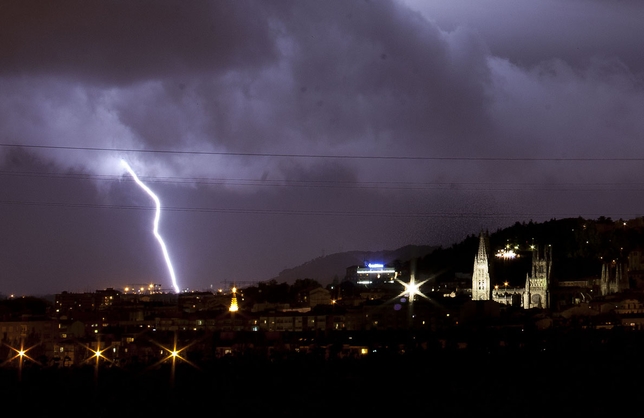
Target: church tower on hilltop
537, 292
481, 289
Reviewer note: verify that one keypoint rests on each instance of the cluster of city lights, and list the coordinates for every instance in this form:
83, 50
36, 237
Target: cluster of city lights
151, 288
507, 254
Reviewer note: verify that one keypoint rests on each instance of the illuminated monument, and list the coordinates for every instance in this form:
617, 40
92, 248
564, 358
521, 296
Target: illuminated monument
535, 294
233, 301
613, 279
481, 289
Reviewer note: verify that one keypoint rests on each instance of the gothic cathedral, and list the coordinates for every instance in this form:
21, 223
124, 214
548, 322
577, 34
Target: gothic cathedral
536, 293
481, 289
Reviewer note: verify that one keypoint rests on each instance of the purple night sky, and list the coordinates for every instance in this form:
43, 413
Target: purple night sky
278, 131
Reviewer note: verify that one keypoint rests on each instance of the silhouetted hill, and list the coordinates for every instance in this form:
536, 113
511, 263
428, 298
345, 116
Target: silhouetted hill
579, 247
325, 269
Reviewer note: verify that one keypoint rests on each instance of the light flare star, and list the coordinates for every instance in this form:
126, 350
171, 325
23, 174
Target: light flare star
412, 289
157, 217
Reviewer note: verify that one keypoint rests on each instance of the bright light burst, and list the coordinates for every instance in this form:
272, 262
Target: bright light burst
174, 354
98, 353
20, 354
412, 289
157, 217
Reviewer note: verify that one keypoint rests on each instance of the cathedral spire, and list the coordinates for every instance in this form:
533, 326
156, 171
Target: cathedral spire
482, 254
481, 289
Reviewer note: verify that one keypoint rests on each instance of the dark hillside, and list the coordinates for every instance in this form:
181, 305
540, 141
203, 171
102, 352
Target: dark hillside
579, 247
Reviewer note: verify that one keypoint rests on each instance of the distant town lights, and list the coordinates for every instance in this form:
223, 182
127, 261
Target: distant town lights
507, 254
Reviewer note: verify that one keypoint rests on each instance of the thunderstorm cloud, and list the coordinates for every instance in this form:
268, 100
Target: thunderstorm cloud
278, 131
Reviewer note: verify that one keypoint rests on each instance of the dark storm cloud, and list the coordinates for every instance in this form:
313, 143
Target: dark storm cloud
297, 76
528, 33
375, 70
382, 79
120, 42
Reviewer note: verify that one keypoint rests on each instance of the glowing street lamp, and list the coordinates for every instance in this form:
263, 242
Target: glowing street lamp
96, 356
21, 355
174, 354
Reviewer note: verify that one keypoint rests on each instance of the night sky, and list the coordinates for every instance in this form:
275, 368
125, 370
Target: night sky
275, 132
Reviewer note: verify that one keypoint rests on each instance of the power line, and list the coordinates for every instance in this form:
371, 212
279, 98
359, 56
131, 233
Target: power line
327, 156
316, 212
380, 185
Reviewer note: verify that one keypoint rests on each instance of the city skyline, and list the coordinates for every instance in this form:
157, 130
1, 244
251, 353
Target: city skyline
277, 132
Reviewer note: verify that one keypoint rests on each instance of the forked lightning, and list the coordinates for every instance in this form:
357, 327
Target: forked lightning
157, 217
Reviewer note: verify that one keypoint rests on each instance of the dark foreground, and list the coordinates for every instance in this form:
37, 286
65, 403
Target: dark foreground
574, 378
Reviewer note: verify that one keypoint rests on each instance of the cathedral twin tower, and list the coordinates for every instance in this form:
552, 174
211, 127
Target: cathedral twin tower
535, 294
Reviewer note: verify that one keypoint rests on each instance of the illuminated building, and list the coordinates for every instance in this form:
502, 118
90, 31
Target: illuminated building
535, 294
70, 304
481, 289
233, 302
372, 274
613, 280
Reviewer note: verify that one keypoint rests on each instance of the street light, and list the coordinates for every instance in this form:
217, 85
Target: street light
174, 354
21, 355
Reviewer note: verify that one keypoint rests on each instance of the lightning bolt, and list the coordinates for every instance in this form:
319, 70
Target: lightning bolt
157, 217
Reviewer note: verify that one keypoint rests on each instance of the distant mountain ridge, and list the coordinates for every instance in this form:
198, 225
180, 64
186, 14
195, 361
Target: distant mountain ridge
324, 269
579, 245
